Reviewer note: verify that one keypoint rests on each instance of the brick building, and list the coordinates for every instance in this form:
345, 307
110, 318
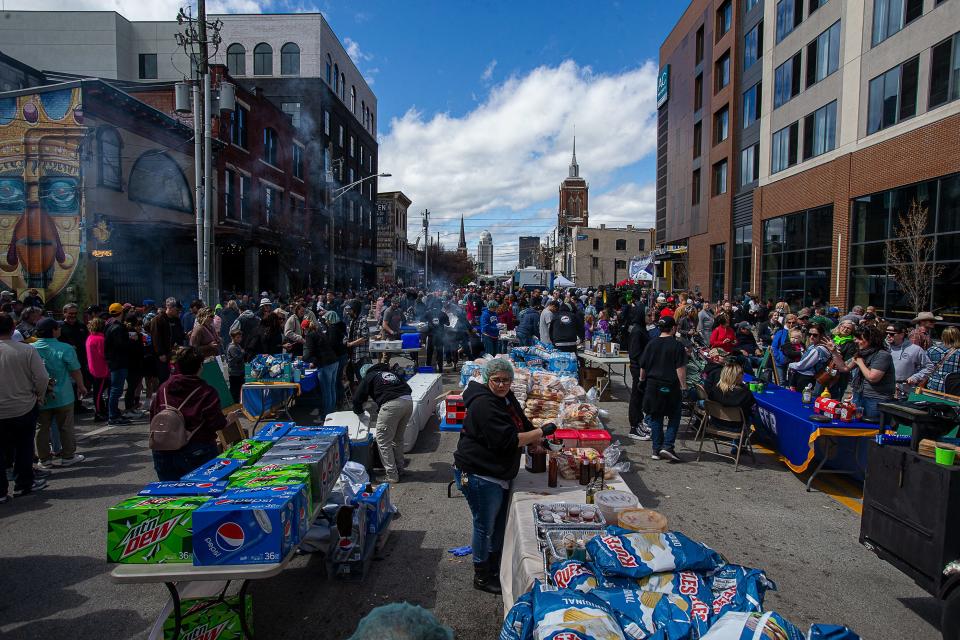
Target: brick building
601, 255
394, 257
854, 117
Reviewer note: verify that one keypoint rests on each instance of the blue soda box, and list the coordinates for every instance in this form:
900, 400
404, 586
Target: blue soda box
377, 504
272, 431
184, 488
256, 530
300, 493
216, 469
320, 462
340, 432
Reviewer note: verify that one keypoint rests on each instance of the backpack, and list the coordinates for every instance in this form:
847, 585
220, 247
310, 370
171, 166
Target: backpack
168, 431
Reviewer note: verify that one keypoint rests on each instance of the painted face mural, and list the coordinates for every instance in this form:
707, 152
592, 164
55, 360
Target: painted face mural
41, 207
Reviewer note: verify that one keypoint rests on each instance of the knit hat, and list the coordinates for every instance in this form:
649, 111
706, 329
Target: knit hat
491, 304
46, 327
115, 309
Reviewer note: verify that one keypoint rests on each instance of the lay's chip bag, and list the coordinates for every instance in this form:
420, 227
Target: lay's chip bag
571, 615
736, 588
518, 625
620, 552
641, 614
735, 625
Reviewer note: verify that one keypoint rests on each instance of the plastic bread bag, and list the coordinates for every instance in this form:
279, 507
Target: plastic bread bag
611, 459
518, 625
572, 615
736, 625
737, 588
635, 555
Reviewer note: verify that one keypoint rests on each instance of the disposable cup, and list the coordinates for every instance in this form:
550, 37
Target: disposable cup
946, 456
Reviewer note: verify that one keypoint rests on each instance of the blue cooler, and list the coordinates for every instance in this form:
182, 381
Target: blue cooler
410, 340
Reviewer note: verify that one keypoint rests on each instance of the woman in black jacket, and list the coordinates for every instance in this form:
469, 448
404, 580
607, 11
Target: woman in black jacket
319, 351
487, 459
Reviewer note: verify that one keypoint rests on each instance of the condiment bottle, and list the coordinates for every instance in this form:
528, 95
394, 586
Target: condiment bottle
584, 472
552, 469
591, 490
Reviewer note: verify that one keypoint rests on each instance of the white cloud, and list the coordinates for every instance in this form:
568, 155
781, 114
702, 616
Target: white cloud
488, 72
353, 50
139, 10
629, 203
507, 155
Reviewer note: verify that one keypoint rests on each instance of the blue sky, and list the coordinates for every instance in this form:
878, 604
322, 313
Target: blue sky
478, 102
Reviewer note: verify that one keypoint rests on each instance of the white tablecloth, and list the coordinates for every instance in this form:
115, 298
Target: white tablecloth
522, 562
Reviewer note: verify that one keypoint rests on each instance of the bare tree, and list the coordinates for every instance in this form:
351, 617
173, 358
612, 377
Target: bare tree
910, 255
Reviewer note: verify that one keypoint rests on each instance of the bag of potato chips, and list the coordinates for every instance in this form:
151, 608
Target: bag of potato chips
621, 552
572, 615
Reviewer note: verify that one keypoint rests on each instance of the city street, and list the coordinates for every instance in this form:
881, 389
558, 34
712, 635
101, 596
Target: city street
57, 584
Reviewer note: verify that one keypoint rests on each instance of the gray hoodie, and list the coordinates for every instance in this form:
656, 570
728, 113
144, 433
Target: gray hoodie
910, 362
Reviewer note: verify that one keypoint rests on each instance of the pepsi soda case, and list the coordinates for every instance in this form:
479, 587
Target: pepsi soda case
320, 464
272, 431
256, 530
377, 504
342, 434
281, 476
248, 450
210, 619
308, 444
300, 493
152, 529
216, 469
184, 488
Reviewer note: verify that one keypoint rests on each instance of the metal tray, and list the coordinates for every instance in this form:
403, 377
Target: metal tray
552, 554
545, 526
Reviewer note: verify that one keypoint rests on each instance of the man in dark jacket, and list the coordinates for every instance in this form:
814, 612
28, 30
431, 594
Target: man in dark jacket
394, 398
116, 341
437, 323
528, 325
74, 333
566, 329
638, 342
166, 334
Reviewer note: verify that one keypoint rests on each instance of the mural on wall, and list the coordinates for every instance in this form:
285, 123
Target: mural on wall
41, 208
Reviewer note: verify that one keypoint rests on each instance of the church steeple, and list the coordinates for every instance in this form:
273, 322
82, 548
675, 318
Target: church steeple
574, 167
462, 245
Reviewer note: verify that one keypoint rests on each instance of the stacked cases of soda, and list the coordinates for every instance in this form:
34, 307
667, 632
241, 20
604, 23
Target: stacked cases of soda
254, 526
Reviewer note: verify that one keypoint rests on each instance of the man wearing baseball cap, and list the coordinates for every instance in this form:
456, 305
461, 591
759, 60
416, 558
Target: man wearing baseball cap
663, 367
62, 365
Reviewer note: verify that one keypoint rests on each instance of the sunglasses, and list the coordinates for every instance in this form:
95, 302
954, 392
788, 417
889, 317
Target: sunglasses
814, 335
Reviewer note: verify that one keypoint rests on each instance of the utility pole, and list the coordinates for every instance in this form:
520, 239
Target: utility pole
426, 248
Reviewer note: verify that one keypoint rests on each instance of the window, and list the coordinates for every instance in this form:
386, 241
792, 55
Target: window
722, 72
595, 262
720, 178
786, 81
329, 69
698, 92
236, 60
697, 139
753, 46
641, 245
724, 19
343, 85
742, 259
621, 244
823, 55
351, 146
336, 79
893, 96
244, 198
110, 167
721, 125
229, 207
148, 66
297, 161
890, 16
749, 167
752, 99
298, 208
695, 188
292, 109
820, 131
290, 59
718, 267
619, 264
353, 99
789, 16
272, 203
945, 72
749, 4
699, 46
263, 60
238, 127
784, 151
271, 144
596, 244
814, 5
155, 179
797, 257
326, 123
340, 137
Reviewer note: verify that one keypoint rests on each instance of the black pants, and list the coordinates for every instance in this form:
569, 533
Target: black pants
16, 443
435, 347
131, 399
236, 384
163, 371
637, 389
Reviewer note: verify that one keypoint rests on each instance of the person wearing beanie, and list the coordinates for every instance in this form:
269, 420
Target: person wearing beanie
56, 415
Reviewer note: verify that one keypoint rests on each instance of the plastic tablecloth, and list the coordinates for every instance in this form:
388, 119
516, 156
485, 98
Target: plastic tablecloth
788, 423
522, 561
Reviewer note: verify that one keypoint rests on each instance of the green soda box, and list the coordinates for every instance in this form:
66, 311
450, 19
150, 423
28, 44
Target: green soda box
284, 476
211, 619
271, 464
248, 450
152, 530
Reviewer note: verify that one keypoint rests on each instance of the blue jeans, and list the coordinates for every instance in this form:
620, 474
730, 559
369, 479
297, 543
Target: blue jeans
117, 378
489, 504
660, 440
868, 405
524, 340
172, 465
327, 378
338, 380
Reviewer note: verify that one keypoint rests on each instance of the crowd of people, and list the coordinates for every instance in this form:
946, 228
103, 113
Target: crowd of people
111, 360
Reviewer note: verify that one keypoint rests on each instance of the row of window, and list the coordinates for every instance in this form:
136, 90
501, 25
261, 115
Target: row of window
338, 82
263, 59
819, 137
621, 244
823, 58
238, 203
617, 264
790, 15
718, 182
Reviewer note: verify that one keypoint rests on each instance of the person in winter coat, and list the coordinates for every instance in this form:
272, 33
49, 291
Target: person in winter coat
528, 325
228, 315
204, 337
566, 329
247, 322
319, 351
813, 360
747, 345
292, 331
394, 399
116, 348
266, 339
99, 371
489, 329
487, 460
731, 392
912, 364
723, 336
705, 322
778, 342
337, 335
437, 323
638, 430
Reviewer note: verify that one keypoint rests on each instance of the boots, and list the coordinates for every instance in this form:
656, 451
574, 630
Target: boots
483, 580
493, 562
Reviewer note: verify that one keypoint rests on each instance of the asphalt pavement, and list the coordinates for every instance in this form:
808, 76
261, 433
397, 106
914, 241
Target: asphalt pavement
56, 581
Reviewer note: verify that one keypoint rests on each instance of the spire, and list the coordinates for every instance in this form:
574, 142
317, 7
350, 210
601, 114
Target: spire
574, 167
463, 236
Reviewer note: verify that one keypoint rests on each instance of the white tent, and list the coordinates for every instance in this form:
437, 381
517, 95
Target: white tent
560, 281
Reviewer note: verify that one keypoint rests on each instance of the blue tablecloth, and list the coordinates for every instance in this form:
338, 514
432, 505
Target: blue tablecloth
257, 402
309, 381
787, 422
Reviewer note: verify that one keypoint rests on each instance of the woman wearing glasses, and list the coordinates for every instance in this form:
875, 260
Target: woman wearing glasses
873, 377
814, 358
487, 459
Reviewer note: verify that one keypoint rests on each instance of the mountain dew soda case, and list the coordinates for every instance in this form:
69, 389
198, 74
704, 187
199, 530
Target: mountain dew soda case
248, 450
272, 431
243, 530
216, 469
184, 488
152, 530
299, 492
205, 619
269, 465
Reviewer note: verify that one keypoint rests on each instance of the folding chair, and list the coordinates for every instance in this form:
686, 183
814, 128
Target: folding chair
742, 437
230, 434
